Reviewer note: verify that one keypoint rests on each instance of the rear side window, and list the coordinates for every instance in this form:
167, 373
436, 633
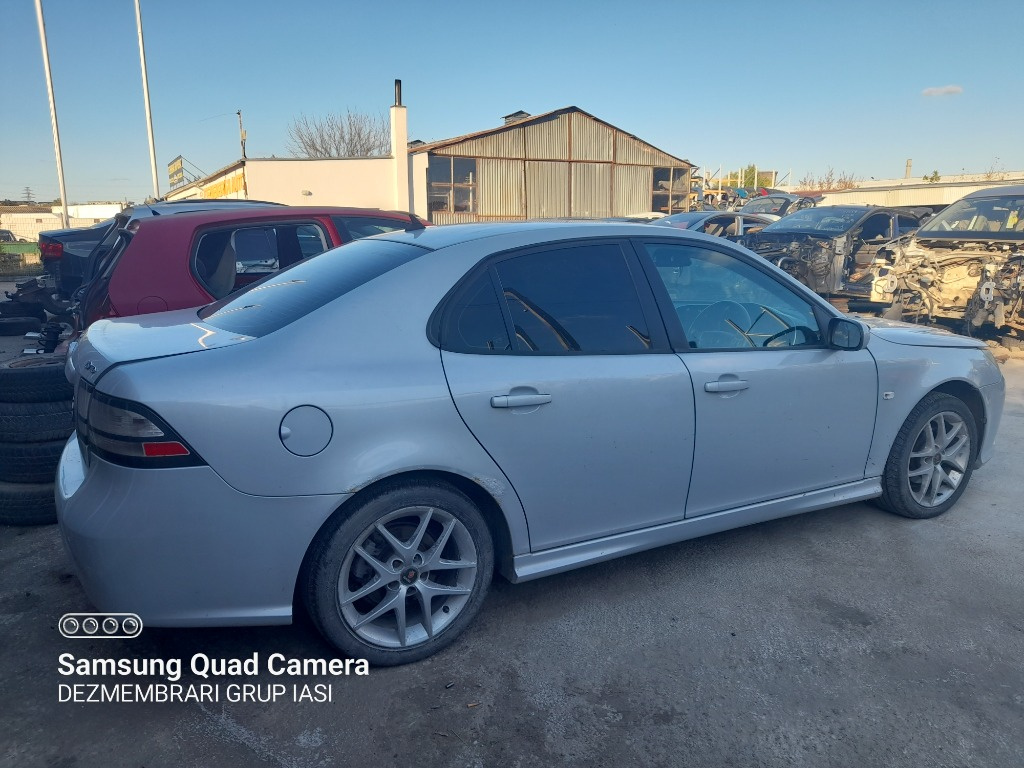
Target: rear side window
563, 300
476, 323
228, 258
284, 297
357, 227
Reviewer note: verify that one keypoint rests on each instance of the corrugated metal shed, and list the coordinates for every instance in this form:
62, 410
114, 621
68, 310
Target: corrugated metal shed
547, 190
591, 190
502, 189
548, 139
632, 189
562, 163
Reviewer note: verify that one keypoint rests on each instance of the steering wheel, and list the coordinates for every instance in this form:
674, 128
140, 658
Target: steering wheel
721, 317
808, 333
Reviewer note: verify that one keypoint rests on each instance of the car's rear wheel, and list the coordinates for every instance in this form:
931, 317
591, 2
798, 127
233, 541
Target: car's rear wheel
401, 576
931, 459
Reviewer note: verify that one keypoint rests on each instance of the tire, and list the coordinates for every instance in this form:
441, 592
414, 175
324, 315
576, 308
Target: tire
907, 487
16, 326
35, 422
22, 309
34, 379
27, 504
351, 540
30, 462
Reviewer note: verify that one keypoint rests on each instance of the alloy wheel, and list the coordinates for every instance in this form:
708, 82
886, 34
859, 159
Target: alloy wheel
939, 459
407, 577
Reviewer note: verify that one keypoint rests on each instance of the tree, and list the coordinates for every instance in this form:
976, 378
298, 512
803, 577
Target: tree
830, 182
353, 134
932, 178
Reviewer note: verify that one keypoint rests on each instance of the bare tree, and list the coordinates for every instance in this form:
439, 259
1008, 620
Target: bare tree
353, 134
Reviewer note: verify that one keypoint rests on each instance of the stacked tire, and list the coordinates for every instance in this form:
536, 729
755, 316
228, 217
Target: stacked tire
36, 419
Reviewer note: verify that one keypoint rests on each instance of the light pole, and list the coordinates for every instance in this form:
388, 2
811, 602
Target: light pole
53, 114
145, 95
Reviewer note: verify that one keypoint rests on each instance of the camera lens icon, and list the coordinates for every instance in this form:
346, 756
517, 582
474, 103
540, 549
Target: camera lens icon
123, 626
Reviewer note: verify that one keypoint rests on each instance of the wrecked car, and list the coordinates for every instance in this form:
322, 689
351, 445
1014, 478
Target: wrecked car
830, 249
778, 204
961, 268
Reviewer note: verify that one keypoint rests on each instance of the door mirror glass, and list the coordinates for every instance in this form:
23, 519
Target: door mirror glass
844, 333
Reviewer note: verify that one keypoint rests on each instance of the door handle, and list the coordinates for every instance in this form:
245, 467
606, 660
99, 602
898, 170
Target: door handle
730, 385
518, 401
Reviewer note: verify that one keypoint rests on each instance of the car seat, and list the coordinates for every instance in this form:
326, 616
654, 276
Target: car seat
220, 281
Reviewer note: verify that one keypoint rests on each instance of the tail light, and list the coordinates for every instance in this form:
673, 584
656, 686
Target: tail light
128, 433
49, 249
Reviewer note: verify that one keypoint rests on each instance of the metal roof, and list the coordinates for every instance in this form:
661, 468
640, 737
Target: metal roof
535, 119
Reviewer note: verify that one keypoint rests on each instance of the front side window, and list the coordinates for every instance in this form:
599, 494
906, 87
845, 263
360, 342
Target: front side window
725, 303
452, 184
573, 300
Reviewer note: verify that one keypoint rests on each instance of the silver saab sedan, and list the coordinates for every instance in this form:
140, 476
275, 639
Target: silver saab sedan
376, 430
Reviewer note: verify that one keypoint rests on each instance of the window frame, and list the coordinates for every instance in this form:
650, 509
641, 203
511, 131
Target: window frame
440, 318
451, 185
823, 311
197, 239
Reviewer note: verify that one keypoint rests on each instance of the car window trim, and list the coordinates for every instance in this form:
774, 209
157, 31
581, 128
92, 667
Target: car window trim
202, 232
676, 333
648, 306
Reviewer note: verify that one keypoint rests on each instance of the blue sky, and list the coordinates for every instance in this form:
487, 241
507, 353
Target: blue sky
787, 85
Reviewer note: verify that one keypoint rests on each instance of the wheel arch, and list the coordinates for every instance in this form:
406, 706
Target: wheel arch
970, 396
493, 515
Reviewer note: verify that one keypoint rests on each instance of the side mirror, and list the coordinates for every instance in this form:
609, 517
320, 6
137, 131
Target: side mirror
847, 334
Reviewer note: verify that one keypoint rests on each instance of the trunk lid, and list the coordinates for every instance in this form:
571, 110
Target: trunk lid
109, 342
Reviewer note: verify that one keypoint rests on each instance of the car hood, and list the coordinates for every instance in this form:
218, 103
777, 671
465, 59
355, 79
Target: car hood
109, 342
917, 335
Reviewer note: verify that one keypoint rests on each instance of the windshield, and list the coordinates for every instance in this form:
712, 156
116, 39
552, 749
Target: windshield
283, 297
766, 205
818, 221
681, 220
998, 217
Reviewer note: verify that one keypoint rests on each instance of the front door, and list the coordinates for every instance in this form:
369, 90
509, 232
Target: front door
777, 412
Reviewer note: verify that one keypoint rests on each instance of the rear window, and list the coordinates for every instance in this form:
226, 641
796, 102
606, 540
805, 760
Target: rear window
283, 297
357, 227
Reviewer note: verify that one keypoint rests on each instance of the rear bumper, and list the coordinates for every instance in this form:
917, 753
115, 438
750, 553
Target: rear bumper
180, 547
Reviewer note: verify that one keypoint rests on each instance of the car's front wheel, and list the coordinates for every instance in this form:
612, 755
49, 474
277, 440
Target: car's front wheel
399, 577
931, 459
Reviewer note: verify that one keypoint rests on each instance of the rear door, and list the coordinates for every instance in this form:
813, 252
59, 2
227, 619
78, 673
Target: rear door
777, 413
558, 363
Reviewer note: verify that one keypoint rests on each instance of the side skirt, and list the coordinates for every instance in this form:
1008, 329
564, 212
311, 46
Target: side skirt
560, 559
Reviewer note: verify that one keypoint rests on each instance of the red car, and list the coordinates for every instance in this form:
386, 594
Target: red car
191, 259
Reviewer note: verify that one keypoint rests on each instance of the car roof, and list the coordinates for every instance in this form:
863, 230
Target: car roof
435, 238
1011, 190
233, 215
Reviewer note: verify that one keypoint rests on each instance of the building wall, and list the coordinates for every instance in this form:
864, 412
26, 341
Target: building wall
360, 182
914, 194
564, 165
27, 226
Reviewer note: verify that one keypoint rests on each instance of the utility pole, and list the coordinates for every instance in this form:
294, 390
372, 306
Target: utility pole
241, 132
53, 114
145, 95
